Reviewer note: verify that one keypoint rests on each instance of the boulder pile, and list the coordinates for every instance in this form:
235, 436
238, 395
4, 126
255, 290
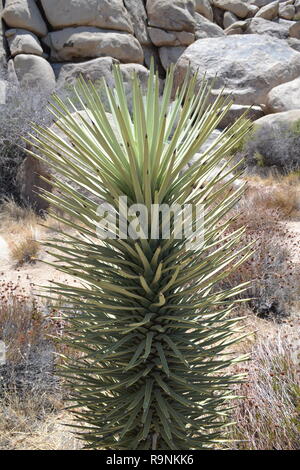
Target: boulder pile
252, 45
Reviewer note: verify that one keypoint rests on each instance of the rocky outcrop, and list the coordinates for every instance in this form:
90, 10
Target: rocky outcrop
134, 31
252, 45
247, 66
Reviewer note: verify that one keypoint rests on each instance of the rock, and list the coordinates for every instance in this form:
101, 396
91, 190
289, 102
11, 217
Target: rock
268, 12
286, 11
21, 41
284, 97
260, 3
32, 171
229, 19
34, 72
24, 14
2, 47
265, 27
206, 29
294, 43
31, 183
160, 37
294, 30
218, 16
96, 69
238, 7
275, 141
204, 8
138, 17
248, 66
170, 55
151, 52
253, 9
127, 71
174, 15
237, 110
106, 14
11, 74
236, 28
297, 10
92, 70
3, 89
88, 42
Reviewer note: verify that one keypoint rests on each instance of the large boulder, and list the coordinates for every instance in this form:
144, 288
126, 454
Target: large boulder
24, 14
275, 141
21, 41
108, 14
284, 97
68, 74
174, 15
34, 72
87, 42
247, 66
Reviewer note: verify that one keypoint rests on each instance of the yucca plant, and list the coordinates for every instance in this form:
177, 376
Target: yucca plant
151, 327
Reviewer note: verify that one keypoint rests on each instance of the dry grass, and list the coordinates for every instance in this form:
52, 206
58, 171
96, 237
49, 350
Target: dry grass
268, 418
25, 251
31, 395
277, 192
272, 268
29, 390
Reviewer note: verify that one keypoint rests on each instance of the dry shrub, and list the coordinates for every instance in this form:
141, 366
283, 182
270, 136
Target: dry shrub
25, 251
277, 192
15, 218
29, 388
269, 416
274, 275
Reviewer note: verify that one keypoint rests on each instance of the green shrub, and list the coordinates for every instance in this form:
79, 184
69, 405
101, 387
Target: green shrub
153, 331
